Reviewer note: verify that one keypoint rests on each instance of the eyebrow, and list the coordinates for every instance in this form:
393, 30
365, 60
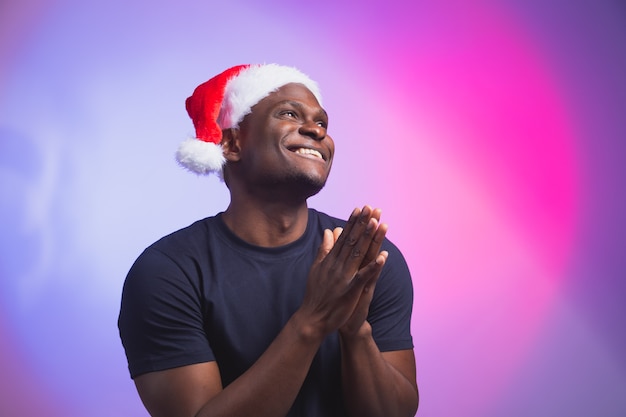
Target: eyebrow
300, 106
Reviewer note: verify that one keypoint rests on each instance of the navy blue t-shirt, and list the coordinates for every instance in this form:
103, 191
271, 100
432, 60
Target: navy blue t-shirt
202, 294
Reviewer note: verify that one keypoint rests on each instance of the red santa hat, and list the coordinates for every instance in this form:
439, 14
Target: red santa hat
223, 102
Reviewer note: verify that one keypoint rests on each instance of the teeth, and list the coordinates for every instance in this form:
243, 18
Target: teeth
305, 151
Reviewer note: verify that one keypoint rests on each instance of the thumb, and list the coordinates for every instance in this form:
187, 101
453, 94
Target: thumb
336, 233
327, 244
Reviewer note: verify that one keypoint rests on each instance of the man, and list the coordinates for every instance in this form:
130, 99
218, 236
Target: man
269, 308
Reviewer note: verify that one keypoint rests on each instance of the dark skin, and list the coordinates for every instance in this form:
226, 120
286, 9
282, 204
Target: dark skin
278, 157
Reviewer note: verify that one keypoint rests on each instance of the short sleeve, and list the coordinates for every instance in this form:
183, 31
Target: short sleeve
160, 321
392, 305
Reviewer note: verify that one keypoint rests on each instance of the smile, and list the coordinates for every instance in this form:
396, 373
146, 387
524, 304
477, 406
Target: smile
307, 151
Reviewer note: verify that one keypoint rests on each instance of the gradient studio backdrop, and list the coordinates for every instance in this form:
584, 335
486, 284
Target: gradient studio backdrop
492, 134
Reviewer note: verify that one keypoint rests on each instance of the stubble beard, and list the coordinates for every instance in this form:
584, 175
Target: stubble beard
309, 185
294, 185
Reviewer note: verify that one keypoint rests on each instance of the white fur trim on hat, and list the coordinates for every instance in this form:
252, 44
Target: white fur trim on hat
200, 157
255, 83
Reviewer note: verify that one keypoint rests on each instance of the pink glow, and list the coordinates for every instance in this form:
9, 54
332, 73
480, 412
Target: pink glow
480, 128
483, 163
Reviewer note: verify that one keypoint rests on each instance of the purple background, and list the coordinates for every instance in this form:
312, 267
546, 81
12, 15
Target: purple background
491, 133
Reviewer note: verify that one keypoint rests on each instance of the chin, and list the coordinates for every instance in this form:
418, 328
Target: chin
309, 185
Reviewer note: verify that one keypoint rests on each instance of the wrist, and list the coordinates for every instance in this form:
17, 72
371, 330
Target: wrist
364, 332
306, 330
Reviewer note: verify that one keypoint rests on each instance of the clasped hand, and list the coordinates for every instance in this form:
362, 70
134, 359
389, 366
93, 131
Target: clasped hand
343, 276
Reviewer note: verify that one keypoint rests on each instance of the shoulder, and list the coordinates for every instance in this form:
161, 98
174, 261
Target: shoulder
188, 236
191, 241
174, 254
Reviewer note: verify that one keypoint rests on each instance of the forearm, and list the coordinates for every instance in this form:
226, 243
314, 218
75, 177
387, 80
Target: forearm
269, 387
372, 386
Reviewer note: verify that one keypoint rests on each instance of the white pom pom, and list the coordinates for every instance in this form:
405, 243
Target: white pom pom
200, 157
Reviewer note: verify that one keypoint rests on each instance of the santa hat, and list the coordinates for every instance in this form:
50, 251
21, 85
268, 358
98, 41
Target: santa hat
223, 102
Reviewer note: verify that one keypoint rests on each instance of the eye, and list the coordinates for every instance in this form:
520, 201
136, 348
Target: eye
322, 124
289, 113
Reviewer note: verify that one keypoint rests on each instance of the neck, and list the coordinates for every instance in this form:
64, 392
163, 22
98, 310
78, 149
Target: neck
269, 224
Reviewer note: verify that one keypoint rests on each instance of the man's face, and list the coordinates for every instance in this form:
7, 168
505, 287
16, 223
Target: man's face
284, 142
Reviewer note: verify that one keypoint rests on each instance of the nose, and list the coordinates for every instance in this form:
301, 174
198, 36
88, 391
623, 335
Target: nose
313, 130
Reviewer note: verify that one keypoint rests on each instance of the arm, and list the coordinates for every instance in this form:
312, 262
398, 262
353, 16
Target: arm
375, 383
269, 387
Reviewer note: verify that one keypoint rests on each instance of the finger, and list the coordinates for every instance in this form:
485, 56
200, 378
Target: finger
378, 238
336, 233
357, 224
374, 268
366, 277
352, 245
371, 272
376, 244
361, 310
353, 249
376, 214
354, 216
326, 245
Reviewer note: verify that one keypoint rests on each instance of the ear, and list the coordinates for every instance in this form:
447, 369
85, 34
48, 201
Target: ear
231, 144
